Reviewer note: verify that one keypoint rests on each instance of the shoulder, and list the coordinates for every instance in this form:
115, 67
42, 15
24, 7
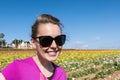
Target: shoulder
60, 73
23, 64
22, 68
16, 63
24, 61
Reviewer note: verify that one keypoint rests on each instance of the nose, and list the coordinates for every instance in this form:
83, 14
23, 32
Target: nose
53, 45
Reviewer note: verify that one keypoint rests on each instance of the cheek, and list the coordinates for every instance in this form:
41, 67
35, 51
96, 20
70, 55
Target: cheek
44, 50
60, 48
39, 48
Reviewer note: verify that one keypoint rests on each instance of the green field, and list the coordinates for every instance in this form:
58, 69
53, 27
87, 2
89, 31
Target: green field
79, 64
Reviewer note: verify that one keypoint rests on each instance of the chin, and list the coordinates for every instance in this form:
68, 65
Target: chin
52, 59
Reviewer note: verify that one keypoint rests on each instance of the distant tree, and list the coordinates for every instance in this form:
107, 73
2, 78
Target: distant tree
2, 35
17, 42
2, 42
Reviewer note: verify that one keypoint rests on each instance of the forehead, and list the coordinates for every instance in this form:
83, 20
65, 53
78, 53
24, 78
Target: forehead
49, 29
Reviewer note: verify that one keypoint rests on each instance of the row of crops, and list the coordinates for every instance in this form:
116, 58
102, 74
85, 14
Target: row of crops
79, 64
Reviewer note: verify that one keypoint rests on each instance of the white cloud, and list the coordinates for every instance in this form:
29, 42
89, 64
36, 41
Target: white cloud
90, 44
98, 38
83, 45
80, 45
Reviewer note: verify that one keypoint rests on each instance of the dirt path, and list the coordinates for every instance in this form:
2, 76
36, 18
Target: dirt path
114, 76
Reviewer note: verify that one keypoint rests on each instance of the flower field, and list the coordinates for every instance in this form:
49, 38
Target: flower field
79, 64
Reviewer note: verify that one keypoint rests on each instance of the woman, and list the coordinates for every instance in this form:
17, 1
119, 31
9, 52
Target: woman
48, 40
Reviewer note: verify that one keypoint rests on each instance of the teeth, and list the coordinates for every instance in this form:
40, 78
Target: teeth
52, 52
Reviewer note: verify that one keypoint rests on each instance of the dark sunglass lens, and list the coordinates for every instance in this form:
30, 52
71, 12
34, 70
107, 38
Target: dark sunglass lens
46, 41
60, 40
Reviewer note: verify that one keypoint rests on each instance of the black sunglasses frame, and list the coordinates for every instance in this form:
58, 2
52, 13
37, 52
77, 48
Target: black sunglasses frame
46, 41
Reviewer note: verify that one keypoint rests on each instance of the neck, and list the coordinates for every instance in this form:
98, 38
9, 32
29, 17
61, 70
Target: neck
43, 64
43, 61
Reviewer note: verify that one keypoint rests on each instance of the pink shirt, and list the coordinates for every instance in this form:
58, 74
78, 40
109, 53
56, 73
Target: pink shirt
28, 70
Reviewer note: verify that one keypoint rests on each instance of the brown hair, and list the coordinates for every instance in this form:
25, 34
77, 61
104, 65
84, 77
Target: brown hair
43, 19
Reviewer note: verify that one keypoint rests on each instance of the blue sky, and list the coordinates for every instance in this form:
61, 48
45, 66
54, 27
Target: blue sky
88, 24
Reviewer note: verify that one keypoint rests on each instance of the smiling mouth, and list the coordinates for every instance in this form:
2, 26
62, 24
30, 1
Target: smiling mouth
52, 53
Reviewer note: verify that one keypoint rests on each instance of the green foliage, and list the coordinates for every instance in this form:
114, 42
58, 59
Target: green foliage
78, 67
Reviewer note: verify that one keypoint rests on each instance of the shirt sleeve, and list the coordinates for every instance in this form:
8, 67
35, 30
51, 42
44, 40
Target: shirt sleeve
9, 71
60, 74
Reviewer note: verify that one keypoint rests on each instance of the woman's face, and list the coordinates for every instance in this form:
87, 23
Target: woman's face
50, 53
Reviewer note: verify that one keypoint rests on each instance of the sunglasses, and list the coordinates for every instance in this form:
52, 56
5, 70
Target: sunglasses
46, 41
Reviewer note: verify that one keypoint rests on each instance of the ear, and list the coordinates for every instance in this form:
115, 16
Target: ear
32, 42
